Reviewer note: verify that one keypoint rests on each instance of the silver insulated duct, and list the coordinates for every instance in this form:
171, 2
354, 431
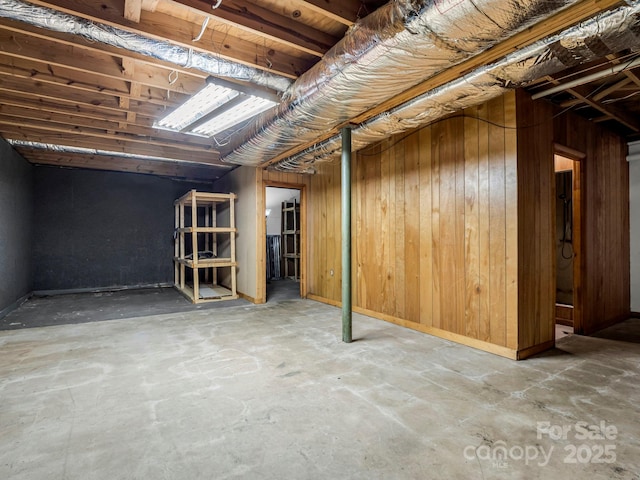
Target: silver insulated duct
400, 45
56, 21
606, 33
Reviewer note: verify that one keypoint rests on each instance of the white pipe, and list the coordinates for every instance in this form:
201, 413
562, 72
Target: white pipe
588, 78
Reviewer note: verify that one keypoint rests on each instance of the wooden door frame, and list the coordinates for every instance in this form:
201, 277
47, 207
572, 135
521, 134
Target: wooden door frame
262, 236
578, 230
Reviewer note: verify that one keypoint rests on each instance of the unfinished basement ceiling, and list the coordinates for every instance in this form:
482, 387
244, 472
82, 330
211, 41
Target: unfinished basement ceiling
74, 101
62, 89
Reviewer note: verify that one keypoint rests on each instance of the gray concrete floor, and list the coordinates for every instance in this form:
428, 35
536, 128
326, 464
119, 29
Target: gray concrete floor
270, 392
282, 289
45, 311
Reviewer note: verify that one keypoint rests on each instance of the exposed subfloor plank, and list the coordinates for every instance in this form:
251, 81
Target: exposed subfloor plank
269, 391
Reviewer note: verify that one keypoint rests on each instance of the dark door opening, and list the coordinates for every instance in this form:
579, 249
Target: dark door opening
284, 247
567, 243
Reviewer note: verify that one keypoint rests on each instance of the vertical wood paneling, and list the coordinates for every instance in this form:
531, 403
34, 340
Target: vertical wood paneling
472, 227
412, 228
431, 243
399, 229
484, 234
435, 224
497, 222
536, 277
426, 232
511, 195
460, 219
452, 225
604, 291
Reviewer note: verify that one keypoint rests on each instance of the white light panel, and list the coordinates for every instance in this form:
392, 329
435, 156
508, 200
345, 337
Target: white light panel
206, 100
250, 107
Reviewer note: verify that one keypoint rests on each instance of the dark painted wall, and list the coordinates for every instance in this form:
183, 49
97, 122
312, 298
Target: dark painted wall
103, 229
16, 212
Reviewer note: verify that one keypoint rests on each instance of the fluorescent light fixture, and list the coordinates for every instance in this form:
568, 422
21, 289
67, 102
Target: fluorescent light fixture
250, 107
206, 100
220, 105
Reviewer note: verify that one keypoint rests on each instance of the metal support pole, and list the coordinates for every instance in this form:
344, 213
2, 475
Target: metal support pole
346, 234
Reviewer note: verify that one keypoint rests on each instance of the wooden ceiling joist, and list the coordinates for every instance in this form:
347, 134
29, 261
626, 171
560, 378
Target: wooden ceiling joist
132, 10
100, 134
117, 146
586, 96
267, 24
120, 164
78, 61
343, 11
163, 27
59, 88
66, 121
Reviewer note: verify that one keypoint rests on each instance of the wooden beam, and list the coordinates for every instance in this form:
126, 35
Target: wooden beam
67, 95
599, 96
150, 5
181, 32
122, 164
54, 52
132, 10
110, 135
613, 88
260, 21
343, 11
86, 82
628, 73
584, 95
51, 136
78, 120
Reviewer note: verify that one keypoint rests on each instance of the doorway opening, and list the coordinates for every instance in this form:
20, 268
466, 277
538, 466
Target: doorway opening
567, 245
283, 243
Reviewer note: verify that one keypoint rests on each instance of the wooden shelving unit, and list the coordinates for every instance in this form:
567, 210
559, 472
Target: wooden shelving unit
291, 239
205, 252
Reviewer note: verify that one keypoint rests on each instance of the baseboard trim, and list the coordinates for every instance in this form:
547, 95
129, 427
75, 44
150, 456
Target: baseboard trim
7, 310
249, 298
635, 314
116, 288
606, 324
436, 332
528, 352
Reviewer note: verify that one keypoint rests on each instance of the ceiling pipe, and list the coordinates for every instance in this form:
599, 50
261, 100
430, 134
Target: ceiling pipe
396, 47
606, 33
588, 78
56, 21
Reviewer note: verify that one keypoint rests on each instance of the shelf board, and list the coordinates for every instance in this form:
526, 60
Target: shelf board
207, 230
206, 262
204, 199
208, 293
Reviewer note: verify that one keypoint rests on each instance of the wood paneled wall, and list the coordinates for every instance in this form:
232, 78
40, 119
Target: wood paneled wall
435, 228
605, 281
324, 267
536, 225
453, 227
